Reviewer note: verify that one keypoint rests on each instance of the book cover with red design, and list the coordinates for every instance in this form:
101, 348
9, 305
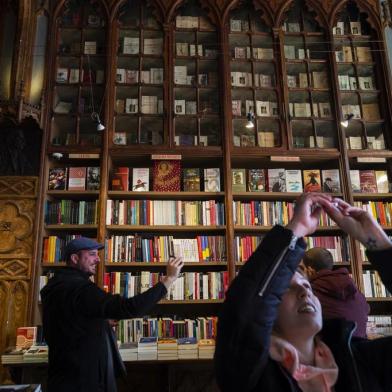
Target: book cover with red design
368, 182
167, 176
120, 180
77, 179
312, 180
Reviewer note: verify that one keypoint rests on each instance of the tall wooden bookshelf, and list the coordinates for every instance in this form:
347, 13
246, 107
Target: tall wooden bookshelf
182, 78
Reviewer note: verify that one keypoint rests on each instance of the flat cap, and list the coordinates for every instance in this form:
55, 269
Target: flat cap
81, 243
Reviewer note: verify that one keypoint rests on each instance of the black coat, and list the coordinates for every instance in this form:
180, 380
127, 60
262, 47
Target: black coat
75, 313
245, 324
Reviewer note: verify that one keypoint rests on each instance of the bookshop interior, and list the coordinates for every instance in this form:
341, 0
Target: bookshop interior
183, 128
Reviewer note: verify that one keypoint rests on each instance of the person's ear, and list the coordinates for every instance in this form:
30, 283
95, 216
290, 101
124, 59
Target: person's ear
74, 259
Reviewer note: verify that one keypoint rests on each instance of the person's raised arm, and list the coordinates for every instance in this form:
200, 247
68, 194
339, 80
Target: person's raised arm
250, 309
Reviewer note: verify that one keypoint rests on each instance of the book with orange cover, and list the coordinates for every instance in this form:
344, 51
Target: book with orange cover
312, 180
25, 337
167, 176
120, 180
77, 179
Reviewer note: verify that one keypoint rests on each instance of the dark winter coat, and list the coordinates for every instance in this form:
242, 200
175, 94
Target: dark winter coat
340, 298
75, 313
242, 359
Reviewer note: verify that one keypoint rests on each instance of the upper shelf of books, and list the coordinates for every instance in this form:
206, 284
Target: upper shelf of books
166, 79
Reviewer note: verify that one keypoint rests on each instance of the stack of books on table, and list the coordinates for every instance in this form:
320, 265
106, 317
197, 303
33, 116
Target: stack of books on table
37, 353
167, 349
128, 351
12, 355
147, 349
206, 348
188, 348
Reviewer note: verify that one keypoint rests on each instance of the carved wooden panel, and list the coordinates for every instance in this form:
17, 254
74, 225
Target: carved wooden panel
18, 187
14, 268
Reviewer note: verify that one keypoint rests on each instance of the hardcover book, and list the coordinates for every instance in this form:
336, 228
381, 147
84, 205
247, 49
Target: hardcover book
355, 181
212, 180
191, 177
238, 179
382, 181
367, 181
167, 176
77, 179
294, 181
312, 180
57, 178
93, 178
256, 180
120, 180
140, 179
331, 180
276, 180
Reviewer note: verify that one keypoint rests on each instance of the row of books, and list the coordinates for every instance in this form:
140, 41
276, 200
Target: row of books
244, 246
188, 286
373, 285
362, 54
166, 177
348, 82
373, 142
315, 79
193, 50
380, 210
71, 212
182, 106
75, 48
33, 354
286, 180
151, 46
379, 326
132, 330
75, 75
292, 52
303, 109
193, 22
264, 139
53, 247
181, 77
370, 111
352, 27
132, 76
152, 249
269, 213
167, 349
263, 108
369, 181
165, 212
149, 104
310, 141
74, 178
246, 52
244, 79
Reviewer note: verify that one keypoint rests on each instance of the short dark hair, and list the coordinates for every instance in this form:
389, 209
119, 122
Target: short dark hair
318, 259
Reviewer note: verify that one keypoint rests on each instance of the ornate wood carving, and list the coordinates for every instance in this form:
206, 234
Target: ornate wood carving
18, 187
14, 268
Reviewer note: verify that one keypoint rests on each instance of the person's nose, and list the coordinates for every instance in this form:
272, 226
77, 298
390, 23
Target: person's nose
302, 291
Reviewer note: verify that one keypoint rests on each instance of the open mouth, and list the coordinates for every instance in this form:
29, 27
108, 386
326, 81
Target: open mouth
307, 308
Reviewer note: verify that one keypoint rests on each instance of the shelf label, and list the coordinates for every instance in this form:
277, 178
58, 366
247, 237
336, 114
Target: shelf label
371, 159
168, 157
277, 158
83, 156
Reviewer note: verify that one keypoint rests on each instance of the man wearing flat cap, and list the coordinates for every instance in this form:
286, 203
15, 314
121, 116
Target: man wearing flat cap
83, 355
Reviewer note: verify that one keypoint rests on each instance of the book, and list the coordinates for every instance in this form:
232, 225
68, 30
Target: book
364, 54
212, 180
320, 79
256, 180
293, 181
382, 181
130, 45
238, 180
355, 28
276, 180
366, 82
120, 138
140, 179
367, 181
73, 75
167, 176
131, 105
120, 179
93, 178
355, 181
331, 180
90, 47
153, 46
312, 180
266, 139
338, 29
77, 178
25, 337
62, 75
191, 180
57, 178
371, 111
63, 107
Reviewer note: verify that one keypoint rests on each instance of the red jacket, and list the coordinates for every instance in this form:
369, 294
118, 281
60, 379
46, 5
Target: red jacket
340, 298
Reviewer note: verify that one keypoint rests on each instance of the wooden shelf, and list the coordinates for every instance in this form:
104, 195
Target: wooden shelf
376, 299
272, 195
165, 195
73, 194
136, 264
190, 302
164, 228
265, 229
371, 196
71, 227
54, 265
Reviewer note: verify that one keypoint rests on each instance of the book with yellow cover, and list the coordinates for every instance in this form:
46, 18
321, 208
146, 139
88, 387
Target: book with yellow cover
312, 180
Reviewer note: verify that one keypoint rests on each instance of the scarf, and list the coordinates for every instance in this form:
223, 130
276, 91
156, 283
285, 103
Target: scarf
319, 378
